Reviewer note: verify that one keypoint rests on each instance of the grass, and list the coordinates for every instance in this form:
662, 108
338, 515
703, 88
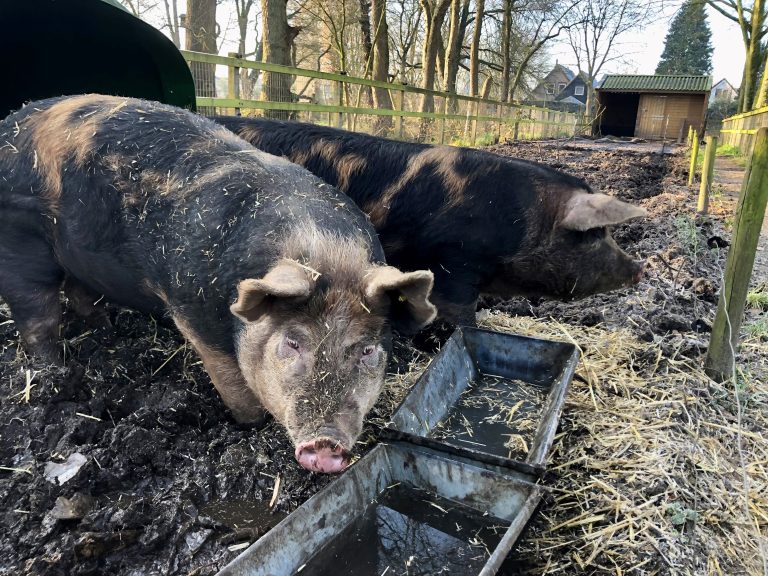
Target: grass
688, 234
758, 299
757, 330
724, 151
485, 139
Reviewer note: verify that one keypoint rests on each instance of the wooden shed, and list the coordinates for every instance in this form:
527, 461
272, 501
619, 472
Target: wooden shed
652, 106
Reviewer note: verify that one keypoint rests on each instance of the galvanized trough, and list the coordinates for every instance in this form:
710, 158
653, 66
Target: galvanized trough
436, 497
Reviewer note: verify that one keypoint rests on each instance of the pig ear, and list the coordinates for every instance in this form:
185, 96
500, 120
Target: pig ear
586, 211
407, 293
287, 279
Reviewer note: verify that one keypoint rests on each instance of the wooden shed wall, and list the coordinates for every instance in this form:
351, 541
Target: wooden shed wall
683, 110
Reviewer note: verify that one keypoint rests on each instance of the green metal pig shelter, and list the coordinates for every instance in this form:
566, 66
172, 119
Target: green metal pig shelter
59, 47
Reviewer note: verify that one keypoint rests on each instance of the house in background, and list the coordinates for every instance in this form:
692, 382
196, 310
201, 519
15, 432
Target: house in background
552, 84
652, 106
575, 92
723, 90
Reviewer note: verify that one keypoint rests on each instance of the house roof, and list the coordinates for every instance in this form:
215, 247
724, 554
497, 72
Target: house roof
655, 83
567, 71
723, 81
572, 100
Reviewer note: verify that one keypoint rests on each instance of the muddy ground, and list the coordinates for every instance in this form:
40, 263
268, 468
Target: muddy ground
163, 459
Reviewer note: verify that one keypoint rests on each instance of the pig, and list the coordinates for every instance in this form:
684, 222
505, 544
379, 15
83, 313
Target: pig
277, 280
482, 223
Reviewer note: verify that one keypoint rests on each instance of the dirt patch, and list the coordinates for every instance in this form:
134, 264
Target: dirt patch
162, 456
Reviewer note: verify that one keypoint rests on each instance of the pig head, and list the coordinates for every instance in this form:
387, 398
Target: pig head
314, 340
571, 253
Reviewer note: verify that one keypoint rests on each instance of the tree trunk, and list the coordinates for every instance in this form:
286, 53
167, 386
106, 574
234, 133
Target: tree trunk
747, 92
506, 57
435, 14
474, 49
172, 18
277, 37
761, 99
381, 97
453, 54
365, 28
201, 37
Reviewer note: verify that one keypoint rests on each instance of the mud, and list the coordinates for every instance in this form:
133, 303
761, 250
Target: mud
164, 461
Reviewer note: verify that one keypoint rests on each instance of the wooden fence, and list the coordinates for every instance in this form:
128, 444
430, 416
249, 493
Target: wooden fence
336, 99
740, 130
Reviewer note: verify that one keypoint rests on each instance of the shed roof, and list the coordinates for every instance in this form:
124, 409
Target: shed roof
655, 83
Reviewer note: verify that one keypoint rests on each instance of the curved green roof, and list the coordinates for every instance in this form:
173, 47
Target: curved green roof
655, 83
57, 47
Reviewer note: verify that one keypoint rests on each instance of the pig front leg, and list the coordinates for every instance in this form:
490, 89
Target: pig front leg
30, 279
86, 303
227, 378
455, 295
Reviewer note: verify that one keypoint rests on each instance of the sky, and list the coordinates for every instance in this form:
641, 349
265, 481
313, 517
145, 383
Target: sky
644, 49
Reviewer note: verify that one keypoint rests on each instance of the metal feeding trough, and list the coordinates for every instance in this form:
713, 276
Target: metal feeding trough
490, 397
453, 483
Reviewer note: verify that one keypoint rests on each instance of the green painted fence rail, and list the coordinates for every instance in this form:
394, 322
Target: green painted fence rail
518, 119
740, 130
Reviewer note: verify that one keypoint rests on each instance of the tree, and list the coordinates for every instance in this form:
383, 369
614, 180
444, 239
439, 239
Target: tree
201, 37
688, 45
595, 37
277, 38
457, 30
539, 24
381, 97
474, 49
751, 21
434, 11
406, 18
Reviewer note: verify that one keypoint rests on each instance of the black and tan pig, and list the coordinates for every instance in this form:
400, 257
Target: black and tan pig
484, 224
276, 279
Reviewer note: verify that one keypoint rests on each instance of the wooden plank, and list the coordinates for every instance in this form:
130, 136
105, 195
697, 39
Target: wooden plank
748, 221
694, 155
191, 56
707, 172
304, 107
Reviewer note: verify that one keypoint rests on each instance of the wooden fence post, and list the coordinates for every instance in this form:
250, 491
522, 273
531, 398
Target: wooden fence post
442, 120
707, 171
688, 140
694, 155
516, 132
340, 117
474, 123
747, 223
400, 104
499, 109
233, 83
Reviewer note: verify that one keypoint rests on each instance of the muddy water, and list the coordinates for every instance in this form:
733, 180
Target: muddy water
408, 531
495, 415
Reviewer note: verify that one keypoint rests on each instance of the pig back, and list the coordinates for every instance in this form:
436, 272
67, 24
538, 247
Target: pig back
154, 206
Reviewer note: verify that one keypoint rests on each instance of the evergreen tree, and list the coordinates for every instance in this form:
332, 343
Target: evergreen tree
688, 45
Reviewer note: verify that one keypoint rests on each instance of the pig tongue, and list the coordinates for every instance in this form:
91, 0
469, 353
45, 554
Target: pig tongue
322, 455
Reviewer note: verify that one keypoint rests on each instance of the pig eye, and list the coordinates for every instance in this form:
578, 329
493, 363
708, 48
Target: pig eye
368, 350
292, 343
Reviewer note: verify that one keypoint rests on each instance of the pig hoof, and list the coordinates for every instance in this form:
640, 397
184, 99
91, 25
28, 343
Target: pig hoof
322, 455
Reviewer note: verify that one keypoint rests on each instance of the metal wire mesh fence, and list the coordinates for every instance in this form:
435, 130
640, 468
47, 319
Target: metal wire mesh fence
236, 86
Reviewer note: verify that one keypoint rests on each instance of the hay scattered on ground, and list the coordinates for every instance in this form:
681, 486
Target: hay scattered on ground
652, 473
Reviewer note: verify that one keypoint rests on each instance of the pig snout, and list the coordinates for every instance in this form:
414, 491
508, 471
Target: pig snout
322, 454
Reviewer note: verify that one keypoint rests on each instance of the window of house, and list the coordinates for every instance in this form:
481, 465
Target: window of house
561, 86
578, 90
550, 88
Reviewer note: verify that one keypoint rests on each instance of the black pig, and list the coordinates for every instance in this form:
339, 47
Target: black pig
276, 279
482, 223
